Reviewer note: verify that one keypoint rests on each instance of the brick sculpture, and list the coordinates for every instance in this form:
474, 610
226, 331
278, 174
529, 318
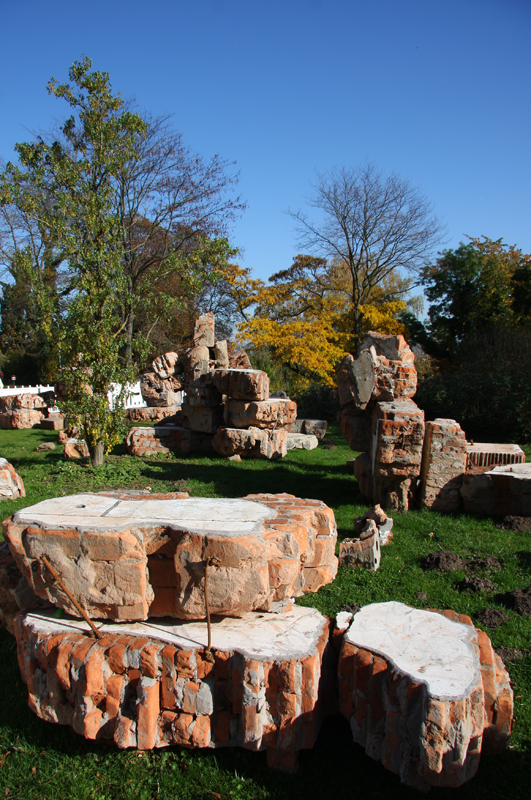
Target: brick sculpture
21, 411
379, 417
130, 557
424, 692
149, 686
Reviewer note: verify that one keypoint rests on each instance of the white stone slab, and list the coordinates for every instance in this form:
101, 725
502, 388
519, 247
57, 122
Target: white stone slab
196, 514
266, 637
427, 646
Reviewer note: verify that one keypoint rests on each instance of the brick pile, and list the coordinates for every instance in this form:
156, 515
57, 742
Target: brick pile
423, 695
379, 418
227, 401
21, 411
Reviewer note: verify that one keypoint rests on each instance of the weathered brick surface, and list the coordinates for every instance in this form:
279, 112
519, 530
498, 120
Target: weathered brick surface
250, 443
356, 428
398, 433
428, 740
444, 462
273, 413
501, 491
155, 413
242, 384
361, 552
156, 694
201, 419
487, 456
11, 484
204, 330
76, 448
15, 594
131, 565
21, 411
166, 365
158, 391
166, 439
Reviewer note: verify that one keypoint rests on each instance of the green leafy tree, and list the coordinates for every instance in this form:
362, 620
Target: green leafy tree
98, 138
478, 285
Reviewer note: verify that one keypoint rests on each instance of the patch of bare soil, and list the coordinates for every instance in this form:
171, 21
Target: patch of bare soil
518, 599
482, 562
442, 561
514, 523
492, 617
473, 583
328, 444
352, 608
510, 653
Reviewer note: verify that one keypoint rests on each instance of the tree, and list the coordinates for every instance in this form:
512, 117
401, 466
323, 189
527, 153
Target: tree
172, 210
478, 285
303, 316
374, 227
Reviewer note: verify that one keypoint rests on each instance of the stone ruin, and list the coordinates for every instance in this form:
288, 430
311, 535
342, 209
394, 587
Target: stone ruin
405, 459
22, 411
422, 690
227, 407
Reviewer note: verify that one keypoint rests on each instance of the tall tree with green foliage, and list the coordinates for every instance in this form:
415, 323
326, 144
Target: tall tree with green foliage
98, 139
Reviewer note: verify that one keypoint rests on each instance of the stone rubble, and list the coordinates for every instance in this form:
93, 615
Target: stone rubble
423, 691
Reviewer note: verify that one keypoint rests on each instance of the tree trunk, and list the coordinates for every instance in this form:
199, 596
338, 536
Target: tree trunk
97, 452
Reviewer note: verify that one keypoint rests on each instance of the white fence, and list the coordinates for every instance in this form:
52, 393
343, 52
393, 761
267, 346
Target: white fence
134, 399
7, 392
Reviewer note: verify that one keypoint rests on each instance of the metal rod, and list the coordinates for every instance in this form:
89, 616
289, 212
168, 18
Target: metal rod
58, 580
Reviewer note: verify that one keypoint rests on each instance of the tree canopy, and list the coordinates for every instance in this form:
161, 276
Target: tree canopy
378, 230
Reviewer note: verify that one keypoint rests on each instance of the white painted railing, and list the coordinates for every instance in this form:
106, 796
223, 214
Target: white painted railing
40, 389
134, 400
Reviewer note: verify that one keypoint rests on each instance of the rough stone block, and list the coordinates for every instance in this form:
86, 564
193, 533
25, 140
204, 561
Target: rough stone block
501, 491
11, 484
273, 413
155, 413
158, 391
250, 443
55, 423
242, 384
311, 427
301, 441
76, 448
444, 461
204, 330
166, 438
356, 428
202, 419
363, 551
166, 365
412, 686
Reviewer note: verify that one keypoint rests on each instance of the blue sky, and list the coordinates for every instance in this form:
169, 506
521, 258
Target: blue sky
438, 91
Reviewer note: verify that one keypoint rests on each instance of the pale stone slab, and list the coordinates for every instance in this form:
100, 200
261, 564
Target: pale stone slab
265, 636
428, 647
301, 441
225, 517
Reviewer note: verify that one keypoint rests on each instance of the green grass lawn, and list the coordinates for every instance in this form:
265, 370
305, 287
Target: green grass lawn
42, 760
